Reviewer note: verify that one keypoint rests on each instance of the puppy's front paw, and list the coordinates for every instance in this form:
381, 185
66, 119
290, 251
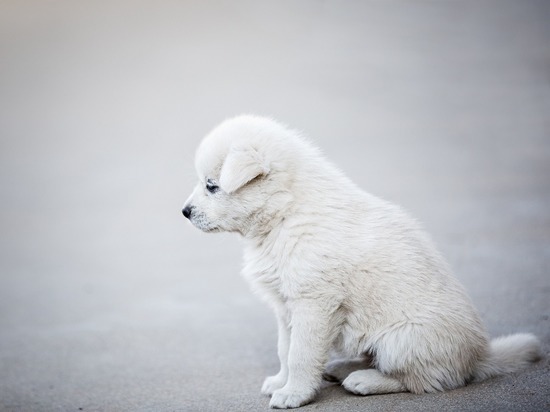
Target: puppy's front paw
272, 383
285, 398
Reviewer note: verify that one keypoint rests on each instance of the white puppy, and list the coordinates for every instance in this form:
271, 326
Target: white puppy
342, 269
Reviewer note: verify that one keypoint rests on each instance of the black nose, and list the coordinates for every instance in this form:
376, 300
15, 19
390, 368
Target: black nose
187, 211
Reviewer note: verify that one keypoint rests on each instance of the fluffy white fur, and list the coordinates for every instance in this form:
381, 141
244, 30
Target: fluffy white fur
343, 270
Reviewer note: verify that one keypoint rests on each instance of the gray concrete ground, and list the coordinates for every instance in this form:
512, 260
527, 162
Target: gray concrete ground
110, 301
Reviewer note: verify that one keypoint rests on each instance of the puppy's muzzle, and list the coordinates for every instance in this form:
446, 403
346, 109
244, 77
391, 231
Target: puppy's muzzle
187, 210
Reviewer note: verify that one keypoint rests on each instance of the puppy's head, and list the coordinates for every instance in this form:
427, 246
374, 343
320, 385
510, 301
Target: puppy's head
239, 187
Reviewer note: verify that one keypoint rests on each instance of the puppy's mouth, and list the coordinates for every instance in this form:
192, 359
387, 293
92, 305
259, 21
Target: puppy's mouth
199, 220
205, 227
210, 229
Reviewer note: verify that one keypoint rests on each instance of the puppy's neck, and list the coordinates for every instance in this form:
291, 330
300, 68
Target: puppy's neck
262, 229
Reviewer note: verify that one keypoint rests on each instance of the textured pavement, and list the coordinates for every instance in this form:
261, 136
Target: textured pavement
111, 301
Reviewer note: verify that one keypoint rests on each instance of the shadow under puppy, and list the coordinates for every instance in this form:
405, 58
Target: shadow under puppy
343, 270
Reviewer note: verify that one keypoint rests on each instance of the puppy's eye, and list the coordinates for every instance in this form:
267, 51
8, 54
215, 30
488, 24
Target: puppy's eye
211, 187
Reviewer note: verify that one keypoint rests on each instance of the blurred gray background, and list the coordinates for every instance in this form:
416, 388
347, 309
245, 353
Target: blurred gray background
111, 301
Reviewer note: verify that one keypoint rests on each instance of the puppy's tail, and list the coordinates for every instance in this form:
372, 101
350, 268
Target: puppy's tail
508, 354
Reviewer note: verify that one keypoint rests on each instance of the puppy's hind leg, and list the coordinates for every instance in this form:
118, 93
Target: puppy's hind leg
339, 369
371, 382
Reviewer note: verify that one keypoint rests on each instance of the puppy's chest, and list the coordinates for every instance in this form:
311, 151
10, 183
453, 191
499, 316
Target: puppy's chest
268, 271
263, 274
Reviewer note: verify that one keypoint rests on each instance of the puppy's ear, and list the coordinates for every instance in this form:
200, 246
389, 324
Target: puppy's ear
242, 164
